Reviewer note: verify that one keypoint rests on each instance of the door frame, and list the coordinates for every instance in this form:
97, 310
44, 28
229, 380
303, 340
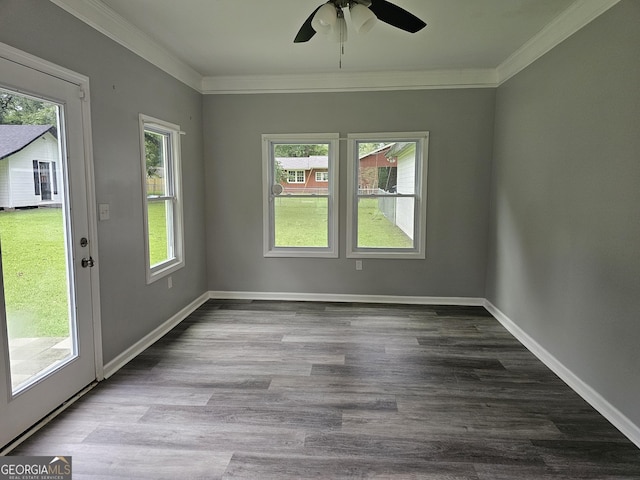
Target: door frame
82, 81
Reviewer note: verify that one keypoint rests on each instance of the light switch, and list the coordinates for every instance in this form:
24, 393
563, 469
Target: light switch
104, 211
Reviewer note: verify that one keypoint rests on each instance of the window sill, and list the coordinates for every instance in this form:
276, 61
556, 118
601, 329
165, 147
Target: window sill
161, 271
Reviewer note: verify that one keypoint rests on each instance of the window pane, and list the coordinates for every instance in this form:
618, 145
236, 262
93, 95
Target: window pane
159, 215
301, 222
40, 325
295, 166
155, 146
382, 222
37, 280
376, 168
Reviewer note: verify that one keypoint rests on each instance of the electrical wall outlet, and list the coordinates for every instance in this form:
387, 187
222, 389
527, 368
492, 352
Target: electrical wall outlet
358, 264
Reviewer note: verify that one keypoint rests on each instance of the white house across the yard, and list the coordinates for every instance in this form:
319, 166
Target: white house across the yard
29, 166
405, 154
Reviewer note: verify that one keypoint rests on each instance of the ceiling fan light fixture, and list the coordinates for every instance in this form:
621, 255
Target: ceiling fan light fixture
362, 18
325, 18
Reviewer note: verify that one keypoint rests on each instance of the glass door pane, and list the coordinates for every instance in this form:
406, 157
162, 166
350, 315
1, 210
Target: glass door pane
36, 273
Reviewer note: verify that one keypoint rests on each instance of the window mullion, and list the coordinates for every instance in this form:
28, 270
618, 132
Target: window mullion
160, 198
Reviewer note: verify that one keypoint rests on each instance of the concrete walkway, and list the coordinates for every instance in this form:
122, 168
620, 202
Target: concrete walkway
30, 356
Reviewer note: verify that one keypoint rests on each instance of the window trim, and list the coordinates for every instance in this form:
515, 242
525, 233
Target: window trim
420, 210
158, 271
268, 143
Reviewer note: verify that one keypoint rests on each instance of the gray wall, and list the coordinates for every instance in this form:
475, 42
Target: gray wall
564, 259
461, 131
123, 85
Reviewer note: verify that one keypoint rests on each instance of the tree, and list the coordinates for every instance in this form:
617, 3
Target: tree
279, 173
301, 150
364, 148
153, 153
16, 109
387, 178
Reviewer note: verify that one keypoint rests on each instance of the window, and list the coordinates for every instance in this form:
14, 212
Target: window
322, 176
387, 188
160, 146
295, 176
300, 220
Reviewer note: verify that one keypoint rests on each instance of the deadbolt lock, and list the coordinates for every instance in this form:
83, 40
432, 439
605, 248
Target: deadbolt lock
87, 262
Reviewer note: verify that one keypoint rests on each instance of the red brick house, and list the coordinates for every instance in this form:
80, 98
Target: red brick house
377, 170
305, 175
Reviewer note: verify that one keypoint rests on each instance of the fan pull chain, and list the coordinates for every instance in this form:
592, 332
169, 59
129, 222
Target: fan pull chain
342, 35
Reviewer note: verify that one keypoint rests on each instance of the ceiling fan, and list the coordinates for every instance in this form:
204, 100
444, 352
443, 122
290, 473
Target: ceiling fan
329, 18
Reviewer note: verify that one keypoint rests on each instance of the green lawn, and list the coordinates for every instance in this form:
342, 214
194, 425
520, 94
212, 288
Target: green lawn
157, 218
302, 222
375, 230
34, 272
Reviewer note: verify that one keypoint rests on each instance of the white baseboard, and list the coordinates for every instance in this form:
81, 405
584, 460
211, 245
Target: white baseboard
141, 345
597, 401
338, 297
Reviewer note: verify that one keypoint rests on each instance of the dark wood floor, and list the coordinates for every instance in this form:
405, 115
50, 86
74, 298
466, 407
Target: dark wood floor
279, 390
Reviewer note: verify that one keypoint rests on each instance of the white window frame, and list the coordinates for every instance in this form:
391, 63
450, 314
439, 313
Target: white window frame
295, 173
322, 177
175, 229
420, 196
268, 157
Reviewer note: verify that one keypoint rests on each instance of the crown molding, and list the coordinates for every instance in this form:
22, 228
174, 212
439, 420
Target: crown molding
102, 18
97, 15
579, 14
348, 82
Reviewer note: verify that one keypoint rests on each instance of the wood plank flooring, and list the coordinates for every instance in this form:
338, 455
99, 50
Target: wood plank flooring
292, 390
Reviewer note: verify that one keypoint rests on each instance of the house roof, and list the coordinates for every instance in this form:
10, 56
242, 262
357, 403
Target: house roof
303, 163
376, 151
398, 148
14, 138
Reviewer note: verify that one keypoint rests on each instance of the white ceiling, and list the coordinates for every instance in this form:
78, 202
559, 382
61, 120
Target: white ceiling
232, 44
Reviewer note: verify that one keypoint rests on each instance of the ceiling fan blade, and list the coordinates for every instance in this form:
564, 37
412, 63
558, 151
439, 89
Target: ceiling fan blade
398, 17
306, 32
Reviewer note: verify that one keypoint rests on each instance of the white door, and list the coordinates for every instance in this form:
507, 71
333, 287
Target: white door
47, 344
